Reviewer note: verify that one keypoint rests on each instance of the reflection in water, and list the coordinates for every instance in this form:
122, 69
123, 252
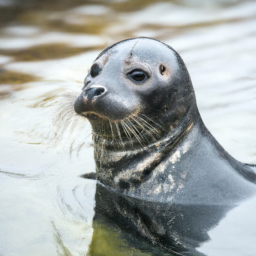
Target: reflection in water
149, 228
126, 224
62, 249
45, 52
236, 232
15, 78
108, 239
46, 48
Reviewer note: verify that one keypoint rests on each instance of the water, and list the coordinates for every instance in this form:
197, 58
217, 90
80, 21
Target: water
46, 50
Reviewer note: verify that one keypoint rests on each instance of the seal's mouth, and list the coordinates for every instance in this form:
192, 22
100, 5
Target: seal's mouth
90, 116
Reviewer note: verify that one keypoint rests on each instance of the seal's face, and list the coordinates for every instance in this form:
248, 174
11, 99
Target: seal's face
133, 79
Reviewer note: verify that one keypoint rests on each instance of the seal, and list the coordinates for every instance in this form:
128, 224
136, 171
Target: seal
159, 170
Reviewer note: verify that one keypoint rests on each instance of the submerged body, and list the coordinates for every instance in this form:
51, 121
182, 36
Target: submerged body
162, 175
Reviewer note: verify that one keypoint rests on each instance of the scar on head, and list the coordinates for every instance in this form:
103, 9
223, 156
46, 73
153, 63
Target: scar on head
130, 53
133, 48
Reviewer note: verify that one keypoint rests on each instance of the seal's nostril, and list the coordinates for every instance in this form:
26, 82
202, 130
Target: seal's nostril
99, 91
94, 92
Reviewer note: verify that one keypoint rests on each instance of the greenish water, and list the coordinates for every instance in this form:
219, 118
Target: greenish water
46, 49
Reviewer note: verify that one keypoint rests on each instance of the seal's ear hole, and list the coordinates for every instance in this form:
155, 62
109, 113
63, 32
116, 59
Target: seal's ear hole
162, 69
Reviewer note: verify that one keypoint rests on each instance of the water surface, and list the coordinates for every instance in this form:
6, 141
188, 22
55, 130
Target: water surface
46, 49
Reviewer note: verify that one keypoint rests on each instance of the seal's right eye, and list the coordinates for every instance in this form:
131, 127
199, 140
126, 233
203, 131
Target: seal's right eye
137, 76
95, 70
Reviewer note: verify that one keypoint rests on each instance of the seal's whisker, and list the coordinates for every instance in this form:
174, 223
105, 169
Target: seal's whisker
73, 124
118, 132
89, 135
101, 138
63, 115
150, 126
128, 128
150, 119
79, 148
64, 121
126, 131
144, 129
71, 148
112, 132
134, 132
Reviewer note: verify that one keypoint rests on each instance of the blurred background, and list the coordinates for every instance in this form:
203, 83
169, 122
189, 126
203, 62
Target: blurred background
46, 49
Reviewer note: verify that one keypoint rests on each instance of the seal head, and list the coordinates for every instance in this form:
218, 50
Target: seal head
138, 97
133, 82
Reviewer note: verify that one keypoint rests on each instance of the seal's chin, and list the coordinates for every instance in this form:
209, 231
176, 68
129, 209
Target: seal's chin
135, 131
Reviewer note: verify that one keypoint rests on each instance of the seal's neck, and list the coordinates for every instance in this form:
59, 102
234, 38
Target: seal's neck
123, 167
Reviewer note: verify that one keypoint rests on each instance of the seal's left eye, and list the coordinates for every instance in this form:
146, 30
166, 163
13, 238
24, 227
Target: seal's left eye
95, 70
138, 76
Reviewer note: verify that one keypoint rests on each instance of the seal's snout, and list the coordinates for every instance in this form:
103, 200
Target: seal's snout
88, 99
79, 105
94, 92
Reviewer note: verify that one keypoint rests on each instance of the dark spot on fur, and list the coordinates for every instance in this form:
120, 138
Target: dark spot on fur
123, 184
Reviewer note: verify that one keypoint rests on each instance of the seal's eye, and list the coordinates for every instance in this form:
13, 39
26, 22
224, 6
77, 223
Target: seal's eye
95, 70
162, 69
137, 76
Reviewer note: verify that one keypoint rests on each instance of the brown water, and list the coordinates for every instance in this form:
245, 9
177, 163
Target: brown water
46, 48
